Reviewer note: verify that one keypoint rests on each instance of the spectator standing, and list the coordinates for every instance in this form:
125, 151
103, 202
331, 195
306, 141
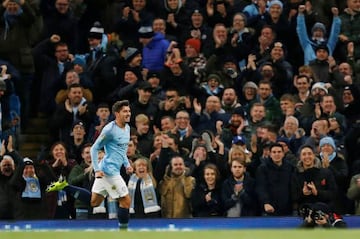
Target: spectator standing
177, 184
312, 183
30, 181
143, 192
238, 191
273, 183
206, 198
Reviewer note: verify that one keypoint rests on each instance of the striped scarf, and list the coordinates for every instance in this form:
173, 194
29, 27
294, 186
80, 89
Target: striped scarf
148, 194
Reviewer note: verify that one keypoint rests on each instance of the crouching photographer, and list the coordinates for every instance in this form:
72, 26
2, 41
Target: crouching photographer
319, 215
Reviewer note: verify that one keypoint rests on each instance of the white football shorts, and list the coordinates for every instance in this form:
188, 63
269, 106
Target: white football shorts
114, 186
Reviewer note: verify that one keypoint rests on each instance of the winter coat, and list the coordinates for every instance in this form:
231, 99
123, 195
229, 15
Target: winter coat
323, 179
202, 208
247, 198
176, 194
273, 186
154, 53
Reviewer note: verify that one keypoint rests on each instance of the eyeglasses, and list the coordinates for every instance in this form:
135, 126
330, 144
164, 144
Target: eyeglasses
170, 96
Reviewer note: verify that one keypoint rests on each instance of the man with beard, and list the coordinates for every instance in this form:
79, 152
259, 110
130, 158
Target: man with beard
237, 125
176, 184
229, 100
76, 107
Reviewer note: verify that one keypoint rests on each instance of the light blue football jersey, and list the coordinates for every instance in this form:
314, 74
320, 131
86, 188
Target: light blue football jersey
115, 142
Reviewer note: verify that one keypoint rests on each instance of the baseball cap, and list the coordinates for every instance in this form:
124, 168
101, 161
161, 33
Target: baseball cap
238, 140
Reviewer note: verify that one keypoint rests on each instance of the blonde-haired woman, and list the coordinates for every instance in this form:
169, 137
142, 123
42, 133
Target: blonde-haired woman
142, 190
236, 151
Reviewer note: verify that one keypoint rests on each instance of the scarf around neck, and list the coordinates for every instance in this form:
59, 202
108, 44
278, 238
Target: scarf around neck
147, 191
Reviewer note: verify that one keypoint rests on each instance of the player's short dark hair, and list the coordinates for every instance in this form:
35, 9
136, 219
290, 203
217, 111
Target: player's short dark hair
118, 105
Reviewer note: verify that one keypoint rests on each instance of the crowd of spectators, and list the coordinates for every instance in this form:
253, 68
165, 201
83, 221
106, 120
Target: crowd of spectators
239, 107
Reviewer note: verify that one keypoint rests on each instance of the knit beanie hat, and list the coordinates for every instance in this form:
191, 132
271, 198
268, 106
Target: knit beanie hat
322, 46
250, 84
318, 26
131, 52
276, 2
214, 76
195, 43
319, 85
79, 61
327, 140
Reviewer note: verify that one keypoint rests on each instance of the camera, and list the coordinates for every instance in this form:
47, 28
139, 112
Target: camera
305, 211
308, 210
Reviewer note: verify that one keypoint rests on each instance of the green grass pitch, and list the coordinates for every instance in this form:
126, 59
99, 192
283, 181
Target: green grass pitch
215, 234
